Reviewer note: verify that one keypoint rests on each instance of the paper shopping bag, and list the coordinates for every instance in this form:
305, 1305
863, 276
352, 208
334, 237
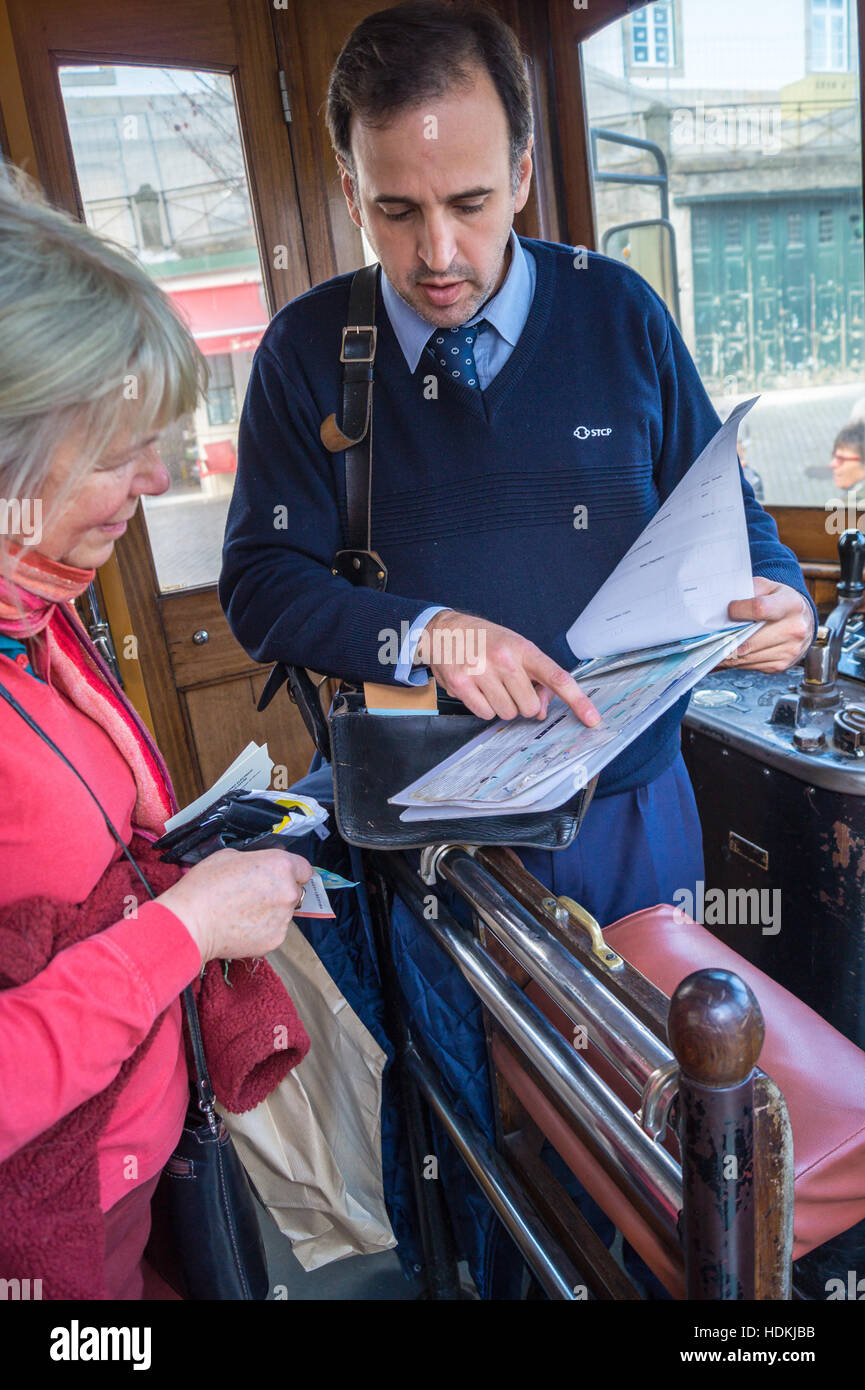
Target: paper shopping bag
313, 1147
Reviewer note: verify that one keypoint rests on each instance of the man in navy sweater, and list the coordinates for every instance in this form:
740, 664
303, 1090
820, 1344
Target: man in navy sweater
476, 476
515, 382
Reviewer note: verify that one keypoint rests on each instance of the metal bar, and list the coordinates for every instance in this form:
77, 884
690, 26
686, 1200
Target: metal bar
439, 1252
626, 1042
655, 180
659, 180
545, 1257
635, 991
674, 255
436, 1236
100, 633
645, 1170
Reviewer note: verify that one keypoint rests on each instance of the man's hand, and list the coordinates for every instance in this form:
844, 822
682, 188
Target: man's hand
787, 631
496, 672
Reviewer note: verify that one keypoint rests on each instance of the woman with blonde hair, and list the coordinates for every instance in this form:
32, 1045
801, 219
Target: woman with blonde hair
93, 363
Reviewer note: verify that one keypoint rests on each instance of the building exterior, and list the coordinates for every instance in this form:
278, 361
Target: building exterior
754, 109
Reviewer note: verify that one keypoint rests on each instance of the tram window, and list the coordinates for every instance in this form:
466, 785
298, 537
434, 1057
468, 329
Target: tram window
754, 125
160, 167
221, 394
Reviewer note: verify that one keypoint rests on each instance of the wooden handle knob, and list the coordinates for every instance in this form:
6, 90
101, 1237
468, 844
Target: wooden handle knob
715, 1028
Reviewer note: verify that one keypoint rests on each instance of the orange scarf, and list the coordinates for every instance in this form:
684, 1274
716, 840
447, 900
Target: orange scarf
38, 585
43, 590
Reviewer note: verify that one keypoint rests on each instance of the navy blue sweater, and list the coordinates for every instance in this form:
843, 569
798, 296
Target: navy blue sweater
474, 492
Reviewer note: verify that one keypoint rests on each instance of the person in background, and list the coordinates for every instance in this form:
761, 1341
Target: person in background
94, 1072
848, 457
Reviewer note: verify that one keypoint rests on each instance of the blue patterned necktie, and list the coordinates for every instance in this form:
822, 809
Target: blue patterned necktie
453, 350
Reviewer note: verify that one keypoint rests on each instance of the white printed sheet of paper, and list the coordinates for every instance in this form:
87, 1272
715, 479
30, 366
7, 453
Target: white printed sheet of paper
656, 626
251, 768
530, 765
682, 571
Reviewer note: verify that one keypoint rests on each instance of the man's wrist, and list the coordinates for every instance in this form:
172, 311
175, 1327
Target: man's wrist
423, 650
411, 656
438, 618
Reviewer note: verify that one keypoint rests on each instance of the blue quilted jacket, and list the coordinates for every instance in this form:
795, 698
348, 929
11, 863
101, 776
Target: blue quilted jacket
446, 1014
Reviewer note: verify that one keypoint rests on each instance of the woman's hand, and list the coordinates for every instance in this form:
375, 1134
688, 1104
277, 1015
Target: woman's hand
237, 904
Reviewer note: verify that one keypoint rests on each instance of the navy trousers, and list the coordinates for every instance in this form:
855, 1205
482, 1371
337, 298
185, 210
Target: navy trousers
634, 849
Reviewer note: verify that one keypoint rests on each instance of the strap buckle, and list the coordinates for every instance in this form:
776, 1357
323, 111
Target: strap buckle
359, 328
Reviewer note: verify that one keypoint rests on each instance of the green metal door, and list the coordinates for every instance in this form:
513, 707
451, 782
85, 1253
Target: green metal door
778, 289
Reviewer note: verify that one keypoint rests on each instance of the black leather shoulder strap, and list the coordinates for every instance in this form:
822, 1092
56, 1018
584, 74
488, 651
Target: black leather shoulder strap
303, 692
358, 563
357, 356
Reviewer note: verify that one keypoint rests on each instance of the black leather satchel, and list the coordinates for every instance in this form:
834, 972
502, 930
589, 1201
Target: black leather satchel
373, 757
205, 1236
206, 1239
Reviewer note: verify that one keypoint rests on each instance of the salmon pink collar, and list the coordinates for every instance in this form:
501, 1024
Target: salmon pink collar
27, 601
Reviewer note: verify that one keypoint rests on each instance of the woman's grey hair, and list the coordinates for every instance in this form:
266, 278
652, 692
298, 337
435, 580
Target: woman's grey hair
90, 348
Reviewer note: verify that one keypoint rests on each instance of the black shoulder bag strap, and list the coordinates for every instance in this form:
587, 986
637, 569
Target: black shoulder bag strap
204, 1089
358, 562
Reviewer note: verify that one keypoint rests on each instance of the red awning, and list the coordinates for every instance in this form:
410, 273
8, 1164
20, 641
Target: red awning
219, 457
223, 318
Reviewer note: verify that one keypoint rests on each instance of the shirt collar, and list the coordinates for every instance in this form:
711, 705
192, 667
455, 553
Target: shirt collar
506, 311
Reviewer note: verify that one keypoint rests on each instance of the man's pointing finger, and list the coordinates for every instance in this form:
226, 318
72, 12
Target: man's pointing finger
561, 683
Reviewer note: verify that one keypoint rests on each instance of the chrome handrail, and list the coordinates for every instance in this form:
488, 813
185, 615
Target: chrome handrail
644, 1169
551, 1266
628, 1044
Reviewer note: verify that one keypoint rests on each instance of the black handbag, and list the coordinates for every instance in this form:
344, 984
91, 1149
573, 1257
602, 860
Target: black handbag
205, 1236
372, 757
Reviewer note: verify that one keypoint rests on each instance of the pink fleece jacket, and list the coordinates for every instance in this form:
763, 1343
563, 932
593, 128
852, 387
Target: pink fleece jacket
65, 1034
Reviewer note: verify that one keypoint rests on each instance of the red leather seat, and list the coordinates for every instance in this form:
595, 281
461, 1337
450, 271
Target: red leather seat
820, 1072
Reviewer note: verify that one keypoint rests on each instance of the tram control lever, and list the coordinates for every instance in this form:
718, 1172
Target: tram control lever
818, 709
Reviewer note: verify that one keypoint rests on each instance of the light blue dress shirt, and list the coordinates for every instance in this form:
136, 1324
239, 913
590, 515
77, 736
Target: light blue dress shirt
504, 318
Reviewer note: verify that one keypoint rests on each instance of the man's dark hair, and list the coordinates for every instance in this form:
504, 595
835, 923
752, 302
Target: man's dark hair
852, 437
402, 57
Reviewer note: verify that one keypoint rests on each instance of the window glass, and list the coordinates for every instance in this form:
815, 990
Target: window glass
160, 166
737, 163
829, 24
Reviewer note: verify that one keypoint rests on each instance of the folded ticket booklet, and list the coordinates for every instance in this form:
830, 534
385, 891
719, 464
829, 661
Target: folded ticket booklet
672, 587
